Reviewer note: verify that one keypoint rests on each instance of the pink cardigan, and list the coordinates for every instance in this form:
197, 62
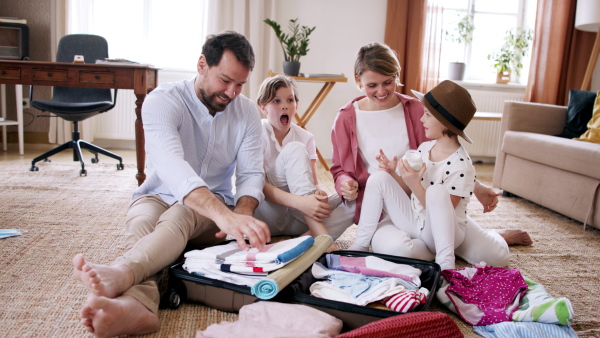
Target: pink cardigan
347, 163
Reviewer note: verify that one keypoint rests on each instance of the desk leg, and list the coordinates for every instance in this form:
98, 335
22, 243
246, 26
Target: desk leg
140, 148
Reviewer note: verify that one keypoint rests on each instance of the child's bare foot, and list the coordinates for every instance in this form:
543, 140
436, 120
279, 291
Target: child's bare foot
102, 280
515, 237
105, 317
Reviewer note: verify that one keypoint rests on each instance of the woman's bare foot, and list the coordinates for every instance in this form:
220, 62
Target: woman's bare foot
106, 317
515, 237
102, 280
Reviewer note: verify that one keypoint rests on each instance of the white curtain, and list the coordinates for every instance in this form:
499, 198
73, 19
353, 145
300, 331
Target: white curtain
60, 130
246, 17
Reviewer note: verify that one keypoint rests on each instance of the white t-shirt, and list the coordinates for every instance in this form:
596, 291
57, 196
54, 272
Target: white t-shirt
456, 173
381, 129
271, 147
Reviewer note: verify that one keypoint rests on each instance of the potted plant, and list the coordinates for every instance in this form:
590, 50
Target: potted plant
461, 34
294, 44
508, 59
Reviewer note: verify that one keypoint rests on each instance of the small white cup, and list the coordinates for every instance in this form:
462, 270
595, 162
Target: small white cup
414, 159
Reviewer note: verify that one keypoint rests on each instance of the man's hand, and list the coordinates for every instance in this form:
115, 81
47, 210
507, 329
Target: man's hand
238, 225
349, 190
486, 196
314, 206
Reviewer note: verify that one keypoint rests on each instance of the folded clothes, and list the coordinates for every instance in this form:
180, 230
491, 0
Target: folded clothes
406, 301
213, 272
374, 266
272, 319
352, 288
233, 259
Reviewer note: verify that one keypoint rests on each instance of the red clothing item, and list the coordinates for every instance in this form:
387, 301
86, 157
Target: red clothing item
347, 163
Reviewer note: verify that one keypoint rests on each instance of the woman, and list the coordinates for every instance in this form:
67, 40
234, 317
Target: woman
387, 120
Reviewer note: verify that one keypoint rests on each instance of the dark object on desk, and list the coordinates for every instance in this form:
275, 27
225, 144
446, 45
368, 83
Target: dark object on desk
14, 41
77, 104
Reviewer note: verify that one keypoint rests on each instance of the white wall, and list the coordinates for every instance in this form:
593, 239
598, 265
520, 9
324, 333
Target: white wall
343, 26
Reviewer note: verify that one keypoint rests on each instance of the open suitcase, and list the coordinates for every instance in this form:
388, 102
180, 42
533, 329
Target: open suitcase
229, 297
355, 316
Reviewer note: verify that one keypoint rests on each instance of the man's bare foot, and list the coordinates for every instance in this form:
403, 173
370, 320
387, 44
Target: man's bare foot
102, 280
515, 237
106, 317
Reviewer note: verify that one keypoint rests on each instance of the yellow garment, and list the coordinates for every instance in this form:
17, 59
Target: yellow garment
593, 132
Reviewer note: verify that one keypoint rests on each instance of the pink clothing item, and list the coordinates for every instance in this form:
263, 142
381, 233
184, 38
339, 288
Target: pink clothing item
485, 295
272, 319
347, 163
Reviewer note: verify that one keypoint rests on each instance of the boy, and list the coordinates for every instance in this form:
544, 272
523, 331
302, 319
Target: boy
429, 205
293, 199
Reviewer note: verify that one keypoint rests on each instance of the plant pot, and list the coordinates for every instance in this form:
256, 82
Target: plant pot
291, 68
503, 77
456, 71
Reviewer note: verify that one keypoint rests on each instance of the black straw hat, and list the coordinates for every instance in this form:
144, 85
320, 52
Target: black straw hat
451, 104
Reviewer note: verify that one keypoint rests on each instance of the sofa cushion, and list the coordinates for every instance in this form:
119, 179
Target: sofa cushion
579, 112
593, 132
570, 155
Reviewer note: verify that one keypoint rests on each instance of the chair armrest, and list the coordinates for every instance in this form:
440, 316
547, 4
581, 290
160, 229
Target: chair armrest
527, 117
533, 117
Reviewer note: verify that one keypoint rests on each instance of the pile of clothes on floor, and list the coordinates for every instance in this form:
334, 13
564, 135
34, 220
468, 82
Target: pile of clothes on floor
231, 264
500, 302
367, 280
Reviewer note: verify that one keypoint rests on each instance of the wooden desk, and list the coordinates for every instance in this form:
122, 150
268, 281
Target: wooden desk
302, 120
142, 79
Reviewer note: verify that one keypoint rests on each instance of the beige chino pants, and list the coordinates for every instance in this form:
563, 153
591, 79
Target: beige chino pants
157, 234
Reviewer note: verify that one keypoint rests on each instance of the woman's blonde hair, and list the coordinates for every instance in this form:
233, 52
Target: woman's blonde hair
269, 87
379, 58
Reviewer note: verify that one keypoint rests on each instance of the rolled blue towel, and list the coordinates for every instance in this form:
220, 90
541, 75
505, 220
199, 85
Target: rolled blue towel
296, 251
265, 288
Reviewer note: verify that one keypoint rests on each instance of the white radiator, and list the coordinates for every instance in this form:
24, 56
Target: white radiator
119, 123
484, 133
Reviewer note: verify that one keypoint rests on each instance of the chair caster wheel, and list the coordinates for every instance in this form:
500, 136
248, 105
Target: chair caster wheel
34, 168
120, 166
95, 160
47, 160
83, 172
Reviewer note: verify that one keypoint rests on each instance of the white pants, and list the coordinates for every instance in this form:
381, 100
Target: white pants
292, 173
397, 235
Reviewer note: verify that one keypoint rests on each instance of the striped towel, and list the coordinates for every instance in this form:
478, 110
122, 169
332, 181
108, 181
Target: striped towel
230, 258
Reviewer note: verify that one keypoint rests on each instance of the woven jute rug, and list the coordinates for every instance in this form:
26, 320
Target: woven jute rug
64, 214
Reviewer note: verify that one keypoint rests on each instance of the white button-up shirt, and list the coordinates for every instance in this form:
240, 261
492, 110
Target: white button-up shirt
187, 148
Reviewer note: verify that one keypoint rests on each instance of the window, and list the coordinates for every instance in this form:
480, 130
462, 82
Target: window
166, 34
491, 20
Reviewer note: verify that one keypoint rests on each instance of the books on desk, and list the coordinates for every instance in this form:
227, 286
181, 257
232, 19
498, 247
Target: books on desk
121, 62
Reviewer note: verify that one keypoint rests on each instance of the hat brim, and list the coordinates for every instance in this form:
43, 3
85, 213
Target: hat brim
439, 117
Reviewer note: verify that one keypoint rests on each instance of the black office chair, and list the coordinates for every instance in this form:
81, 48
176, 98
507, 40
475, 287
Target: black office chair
77, 104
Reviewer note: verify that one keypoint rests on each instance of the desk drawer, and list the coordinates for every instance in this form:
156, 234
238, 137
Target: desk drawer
97, 77
50, 74
10, 73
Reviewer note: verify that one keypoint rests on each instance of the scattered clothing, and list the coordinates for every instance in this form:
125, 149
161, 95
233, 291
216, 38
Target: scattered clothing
374, 266
524, 330
538, 306
484, 295
406, 301
272, 319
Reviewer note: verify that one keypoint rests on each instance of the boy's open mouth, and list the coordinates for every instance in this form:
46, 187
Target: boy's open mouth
285, 119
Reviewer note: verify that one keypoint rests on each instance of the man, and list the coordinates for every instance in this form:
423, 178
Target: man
198, 132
